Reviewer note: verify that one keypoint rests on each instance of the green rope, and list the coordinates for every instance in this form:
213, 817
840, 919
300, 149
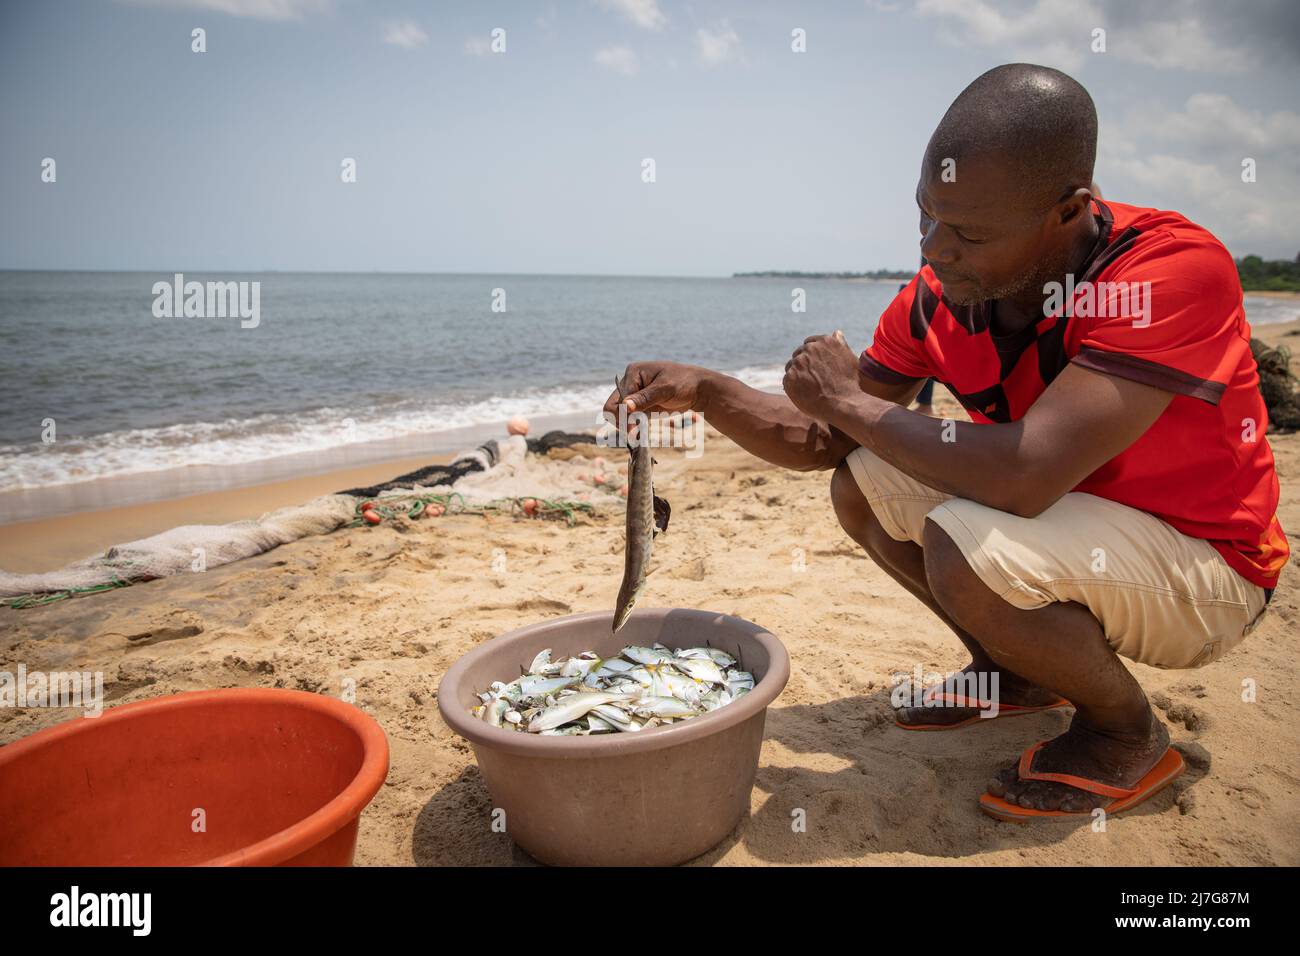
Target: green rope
454, 503
37, 600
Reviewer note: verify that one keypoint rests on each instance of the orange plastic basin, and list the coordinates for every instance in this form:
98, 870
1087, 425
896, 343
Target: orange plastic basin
243, 777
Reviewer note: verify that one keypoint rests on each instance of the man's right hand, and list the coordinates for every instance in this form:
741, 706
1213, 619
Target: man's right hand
765, 424
659, 387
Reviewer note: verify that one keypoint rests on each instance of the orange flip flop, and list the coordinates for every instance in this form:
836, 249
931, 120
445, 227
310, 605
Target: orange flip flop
961, 700
1167, 769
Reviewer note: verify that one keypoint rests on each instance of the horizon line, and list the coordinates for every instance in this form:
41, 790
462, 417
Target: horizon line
758, 273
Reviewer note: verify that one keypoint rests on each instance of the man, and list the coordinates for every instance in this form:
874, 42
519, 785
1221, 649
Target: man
1114, 493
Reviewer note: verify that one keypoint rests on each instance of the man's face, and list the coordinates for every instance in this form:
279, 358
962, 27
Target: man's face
983, 234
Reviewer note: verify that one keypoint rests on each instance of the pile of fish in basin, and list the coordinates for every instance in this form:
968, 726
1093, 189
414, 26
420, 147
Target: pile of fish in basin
641, 688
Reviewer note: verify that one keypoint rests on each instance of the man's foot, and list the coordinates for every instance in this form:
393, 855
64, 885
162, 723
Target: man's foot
1117, 760
1010, 690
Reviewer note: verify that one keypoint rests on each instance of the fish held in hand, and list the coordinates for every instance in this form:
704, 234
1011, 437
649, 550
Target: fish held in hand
647, 514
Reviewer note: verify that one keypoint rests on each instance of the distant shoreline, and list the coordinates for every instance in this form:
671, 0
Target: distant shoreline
886, 276
883, 275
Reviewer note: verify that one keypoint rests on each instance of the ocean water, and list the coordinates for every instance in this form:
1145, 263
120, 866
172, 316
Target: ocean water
349, 360
339, 360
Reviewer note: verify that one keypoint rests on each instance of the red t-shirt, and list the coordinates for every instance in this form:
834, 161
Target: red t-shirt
1204, 466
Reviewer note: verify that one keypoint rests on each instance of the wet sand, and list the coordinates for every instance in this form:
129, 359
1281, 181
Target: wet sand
50, 543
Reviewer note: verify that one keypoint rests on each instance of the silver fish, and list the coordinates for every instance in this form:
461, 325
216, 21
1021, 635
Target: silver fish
598, 725
642, 675
715, 699
629, 687
613, 667
701, 669
580, 666
721, 658
614, 716
495, 711
530, 686
646, 514
637, 689
647, 655
739, 682
570, 708
663, 707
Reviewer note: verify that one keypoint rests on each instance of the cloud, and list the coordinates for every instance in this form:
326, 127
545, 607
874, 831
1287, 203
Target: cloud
718, 45
620, 59
545, 21
644, 13
1184, 44
1215, 121
405, 33
1183, 34
1189, 159
253, 9
477, 46
1030, 32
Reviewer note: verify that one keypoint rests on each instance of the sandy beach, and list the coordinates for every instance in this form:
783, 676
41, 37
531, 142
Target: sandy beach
29, 547
393, 607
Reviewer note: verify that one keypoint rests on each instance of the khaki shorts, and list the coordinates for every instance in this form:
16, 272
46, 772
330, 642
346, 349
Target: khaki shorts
1162, 598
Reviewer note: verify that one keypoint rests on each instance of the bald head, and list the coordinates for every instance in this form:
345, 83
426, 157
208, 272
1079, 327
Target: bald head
1036, 123
1004, 193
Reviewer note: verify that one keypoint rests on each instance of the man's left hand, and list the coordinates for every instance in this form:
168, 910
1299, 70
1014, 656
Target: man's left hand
822, 372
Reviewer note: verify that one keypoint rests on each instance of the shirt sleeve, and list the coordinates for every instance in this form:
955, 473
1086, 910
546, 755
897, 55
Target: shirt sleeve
1170, 317
895, 356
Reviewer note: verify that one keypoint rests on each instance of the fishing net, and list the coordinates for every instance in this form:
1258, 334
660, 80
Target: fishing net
511, 476
563, 445
1277, 383
511, 451
187, 548
556, 473
482, 458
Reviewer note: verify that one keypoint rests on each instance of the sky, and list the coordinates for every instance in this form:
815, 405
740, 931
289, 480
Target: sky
530, 160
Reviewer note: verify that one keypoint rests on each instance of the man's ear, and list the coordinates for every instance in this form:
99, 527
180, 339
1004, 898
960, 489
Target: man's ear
1075, 204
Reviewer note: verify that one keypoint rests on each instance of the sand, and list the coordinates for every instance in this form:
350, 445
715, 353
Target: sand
393, 607
30, 547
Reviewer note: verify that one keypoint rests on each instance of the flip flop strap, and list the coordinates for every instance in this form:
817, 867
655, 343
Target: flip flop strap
960, 700
1027, 772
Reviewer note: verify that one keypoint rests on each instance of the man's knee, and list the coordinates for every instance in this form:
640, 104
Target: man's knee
861, 523
853, 510
846, 497
956, 587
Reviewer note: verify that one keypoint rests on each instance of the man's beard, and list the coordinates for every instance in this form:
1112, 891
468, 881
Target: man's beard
1032, 280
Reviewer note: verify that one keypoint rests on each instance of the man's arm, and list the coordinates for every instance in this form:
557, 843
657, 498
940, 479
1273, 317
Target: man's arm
1083, 419
765, 424
770, 426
